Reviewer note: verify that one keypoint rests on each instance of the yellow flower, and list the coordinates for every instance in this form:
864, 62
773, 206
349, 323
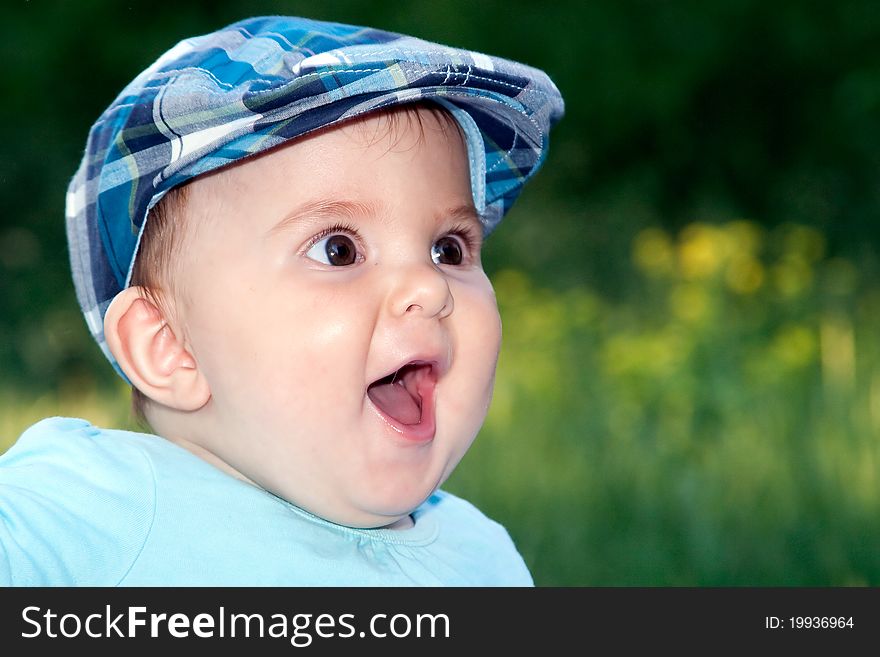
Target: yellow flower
690, 302
803, 243
794, 346
745, 236
792, 277
653, 252
701, 250
745, 274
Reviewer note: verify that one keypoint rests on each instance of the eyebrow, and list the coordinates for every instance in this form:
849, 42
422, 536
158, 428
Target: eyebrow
465, 213
320, 209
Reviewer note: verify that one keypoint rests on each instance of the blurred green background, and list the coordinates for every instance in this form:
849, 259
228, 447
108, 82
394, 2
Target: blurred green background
689, 388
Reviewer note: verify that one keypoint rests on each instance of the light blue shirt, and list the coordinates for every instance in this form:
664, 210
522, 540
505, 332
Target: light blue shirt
86, 506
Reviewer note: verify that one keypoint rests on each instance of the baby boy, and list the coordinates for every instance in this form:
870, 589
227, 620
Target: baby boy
275, 238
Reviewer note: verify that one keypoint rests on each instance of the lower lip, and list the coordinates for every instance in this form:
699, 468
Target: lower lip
424, 431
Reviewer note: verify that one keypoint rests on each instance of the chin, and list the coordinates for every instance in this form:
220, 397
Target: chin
389, 504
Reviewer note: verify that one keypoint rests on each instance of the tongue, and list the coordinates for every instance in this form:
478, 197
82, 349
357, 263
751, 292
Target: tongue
395, 401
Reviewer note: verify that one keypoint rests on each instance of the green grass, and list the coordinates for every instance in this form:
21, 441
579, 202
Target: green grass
715, 425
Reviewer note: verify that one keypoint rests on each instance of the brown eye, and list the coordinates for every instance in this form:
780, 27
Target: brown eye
337, 250
340, 250
446, 251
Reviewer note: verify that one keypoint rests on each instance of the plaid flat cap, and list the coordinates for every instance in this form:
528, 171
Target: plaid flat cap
215, 99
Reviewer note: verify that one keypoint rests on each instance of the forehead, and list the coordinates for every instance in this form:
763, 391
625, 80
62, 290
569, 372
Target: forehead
415, 155
421, 125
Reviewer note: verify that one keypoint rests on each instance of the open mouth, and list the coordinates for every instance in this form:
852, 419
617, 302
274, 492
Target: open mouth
404, 394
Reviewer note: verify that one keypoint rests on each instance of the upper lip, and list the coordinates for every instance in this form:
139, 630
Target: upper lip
438, 362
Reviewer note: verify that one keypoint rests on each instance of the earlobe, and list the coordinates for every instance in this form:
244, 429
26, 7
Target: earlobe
152, 356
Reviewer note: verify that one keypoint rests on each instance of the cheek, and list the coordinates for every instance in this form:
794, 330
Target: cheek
222, 325
484, 320
286, 349
478, 341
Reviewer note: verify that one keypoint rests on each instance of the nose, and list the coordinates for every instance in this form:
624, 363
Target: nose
423, 291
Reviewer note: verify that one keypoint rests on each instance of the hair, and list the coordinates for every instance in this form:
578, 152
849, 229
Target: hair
154, 268
165, 232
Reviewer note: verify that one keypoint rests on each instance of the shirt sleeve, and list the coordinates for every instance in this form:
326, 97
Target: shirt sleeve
480, 541
76, 506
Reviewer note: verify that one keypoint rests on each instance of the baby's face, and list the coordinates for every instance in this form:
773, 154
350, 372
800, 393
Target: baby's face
336, 304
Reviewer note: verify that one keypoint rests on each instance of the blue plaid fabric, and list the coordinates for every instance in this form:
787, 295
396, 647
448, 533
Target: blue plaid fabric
214, 99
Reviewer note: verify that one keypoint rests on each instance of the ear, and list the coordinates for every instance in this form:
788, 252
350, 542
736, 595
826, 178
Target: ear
153, 358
